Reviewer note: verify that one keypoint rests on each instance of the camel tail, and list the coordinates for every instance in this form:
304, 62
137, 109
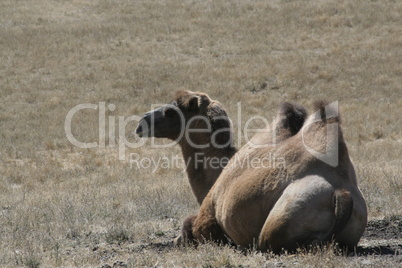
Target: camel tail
343, 204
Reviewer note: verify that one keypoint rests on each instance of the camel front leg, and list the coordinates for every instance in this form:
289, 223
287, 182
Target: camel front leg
206, 228
202, 227
186, 237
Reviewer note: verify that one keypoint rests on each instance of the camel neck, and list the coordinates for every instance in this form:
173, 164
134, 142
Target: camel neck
204, 165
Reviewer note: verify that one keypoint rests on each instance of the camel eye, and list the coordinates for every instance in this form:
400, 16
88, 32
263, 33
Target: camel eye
170, 112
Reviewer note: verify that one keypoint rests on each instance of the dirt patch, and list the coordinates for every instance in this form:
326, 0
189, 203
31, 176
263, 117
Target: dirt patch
382, 237
384, 229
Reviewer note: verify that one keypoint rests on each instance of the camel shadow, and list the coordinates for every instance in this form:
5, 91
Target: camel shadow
378, 250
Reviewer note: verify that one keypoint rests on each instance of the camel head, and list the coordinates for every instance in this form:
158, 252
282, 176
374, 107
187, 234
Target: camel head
190, 112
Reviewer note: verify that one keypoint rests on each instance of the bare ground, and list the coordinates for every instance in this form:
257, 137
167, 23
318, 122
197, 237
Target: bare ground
381, 242
382, 237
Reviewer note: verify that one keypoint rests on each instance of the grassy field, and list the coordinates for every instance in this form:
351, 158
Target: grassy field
64, 206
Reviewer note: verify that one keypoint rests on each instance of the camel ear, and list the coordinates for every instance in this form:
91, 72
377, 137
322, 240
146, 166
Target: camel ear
193, 103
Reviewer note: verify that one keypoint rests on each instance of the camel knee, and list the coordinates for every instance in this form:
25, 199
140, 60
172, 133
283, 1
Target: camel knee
199, 229
206, 228
273, 238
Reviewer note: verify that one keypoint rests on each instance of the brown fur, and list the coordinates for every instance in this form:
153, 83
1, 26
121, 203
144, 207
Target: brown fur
209, 230
187, 230
343, 203
201, 176
293, 117
282, 207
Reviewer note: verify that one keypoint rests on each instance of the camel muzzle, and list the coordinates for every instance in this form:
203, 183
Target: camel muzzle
144, 124
139, 131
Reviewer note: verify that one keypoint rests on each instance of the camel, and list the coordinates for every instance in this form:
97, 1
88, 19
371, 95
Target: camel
303, 201
203, 130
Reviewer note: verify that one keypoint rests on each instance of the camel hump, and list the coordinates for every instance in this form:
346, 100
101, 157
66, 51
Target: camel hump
343, 203
292, 116
327, 112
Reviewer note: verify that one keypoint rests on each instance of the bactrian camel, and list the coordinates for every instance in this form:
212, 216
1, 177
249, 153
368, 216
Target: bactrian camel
299, 202
302, 201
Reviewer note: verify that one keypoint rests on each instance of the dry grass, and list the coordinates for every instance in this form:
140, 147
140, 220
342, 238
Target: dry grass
64, 206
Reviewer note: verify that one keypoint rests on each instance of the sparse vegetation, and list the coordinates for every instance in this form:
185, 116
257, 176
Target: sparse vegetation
65, 206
